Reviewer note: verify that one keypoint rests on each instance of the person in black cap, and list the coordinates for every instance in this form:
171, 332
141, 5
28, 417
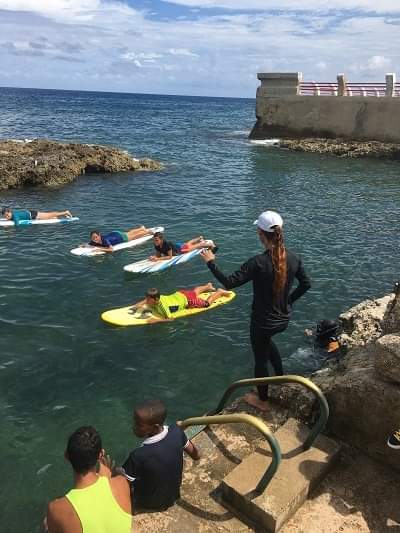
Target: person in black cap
273, 273
326, 337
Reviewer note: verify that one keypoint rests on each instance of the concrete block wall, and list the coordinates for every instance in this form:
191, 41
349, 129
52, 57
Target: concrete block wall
282, 112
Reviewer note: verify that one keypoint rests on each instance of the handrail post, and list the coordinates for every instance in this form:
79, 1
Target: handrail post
342, 85
390, 84
253, 421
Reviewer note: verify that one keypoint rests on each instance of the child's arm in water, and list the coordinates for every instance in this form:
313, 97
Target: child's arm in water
154, 320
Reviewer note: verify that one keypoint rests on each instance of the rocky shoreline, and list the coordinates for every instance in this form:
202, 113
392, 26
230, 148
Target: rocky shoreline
343, 148
362, 386
51, 163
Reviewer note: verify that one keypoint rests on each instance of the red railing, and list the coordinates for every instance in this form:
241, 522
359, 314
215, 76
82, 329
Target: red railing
312, 88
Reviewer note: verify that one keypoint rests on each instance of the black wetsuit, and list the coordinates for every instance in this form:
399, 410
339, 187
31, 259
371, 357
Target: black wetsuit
267, 317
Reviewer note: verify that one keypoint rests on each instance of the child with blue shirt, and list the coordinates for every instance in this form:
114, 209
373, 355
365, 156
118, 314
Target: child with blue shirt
22, 215
106, 242
155, 468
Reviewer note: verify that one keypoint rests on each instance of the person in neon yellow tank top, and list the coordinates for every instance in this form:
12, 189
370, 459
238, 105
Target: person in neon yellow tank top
97, 503
166, 305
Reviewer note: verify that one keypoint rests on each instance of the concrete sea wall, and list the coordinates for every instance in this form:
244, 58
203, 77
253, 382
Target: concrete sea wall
283, 112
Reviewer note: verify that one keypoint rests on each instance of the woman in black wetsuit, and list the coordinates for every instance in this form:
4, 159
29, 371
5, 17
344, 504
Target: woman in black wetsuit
272, 273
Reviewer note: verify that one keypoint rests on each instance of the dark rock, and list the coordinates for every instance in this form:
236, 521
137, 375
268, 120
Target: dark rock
344, 148
387, 362
50, 163
362, 387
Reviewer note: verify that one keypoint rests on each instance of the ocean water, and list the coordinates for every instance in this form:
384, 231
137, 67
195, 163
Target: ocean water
61, 367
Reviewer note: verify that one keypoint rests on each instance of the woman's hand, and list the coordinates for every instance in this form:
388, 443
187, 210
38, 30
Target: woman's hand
207, 255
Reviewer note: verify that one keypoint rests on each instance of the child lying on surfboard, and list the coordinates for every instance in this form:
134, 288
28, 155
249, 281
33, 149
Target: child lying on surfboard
107, 241
167, 249
166, 305
18, 215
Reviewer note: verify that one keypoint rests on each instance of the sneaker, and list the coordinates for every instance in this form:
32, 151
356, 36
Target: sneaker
394, 440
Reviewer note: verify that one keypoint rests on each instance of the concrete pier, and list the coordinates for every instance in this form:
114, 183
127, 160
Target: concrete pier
283, 112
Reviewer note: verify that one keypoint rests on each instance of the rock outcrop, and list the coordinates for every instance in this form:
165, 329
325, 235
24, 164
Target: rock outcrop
49, 163
387, 363
344, 148
363, 386
363, 323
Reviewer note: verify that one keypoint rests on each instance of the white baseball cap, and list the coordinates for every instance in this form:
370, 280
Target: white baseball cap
267, 220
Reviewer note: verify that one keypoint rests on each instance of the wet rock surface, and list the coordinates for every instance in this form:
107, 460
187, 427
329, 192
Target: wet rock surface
52, 163
363, 386
344, 148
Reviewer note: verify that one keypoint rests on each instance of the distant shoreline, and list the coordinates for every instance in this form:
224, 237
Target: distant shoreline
343, 148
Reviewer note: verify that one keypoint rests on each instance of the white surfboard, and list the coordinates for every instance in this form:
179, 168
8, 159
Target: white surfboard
148, 267
89, 251
64, 220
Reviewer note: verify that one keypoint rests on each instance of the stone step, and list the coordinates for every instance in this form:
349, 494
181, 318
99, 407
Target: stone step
299, 472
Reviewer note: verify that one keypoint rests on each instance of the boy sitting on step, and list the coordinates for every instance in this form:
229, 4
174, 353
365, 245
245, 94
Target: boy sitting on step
155, 468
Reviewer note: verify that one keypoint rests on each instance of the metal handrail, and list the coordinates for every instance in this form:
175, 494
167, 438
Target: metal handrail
246, 419
324, 407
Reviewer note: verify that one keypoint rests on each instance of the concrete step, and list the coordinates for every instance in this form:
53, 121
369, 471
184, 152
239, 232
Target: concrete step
299, 472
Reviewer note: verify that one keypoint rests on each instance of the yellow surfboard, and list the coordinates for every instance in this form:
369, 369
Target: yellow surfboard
127, 316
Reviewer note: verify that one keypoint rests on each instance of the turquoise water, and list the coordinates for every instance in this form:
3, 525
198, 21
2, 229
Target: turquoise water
61, 367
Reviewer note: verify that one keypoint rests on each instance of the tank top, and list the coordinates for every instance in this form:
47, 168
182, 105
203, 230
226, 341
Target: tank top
98, 510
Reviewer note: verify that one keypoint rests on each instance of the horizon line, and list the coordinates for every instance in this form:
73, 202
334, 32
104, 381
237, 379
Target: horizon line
126, 92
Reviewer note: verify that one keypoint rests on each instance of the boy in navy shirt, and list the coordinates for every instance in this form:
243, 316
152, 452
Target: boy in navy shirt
167, 249
155, 469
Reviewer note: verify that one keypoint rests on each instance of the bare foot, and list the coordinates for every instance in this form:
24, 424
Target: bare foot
252, 399
210, 287
224, 293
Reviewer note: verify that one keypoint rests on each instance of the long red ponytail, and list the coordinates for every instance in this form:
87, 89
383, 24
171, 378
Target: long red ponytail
279, 260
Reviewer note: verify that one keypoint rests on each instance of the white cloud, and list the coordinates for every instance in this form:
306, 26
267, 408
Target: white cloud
181, 52
372, 66
105, 12
149, 56
310, 5
59, 9
82, 8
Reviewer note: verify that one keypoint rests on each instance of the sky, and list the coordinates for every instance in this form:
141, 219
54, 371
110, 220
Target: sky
193, 47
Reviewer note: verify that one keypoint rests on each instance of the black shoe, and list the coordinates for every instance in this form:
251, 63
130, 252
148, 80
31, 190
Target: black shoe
394, 440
